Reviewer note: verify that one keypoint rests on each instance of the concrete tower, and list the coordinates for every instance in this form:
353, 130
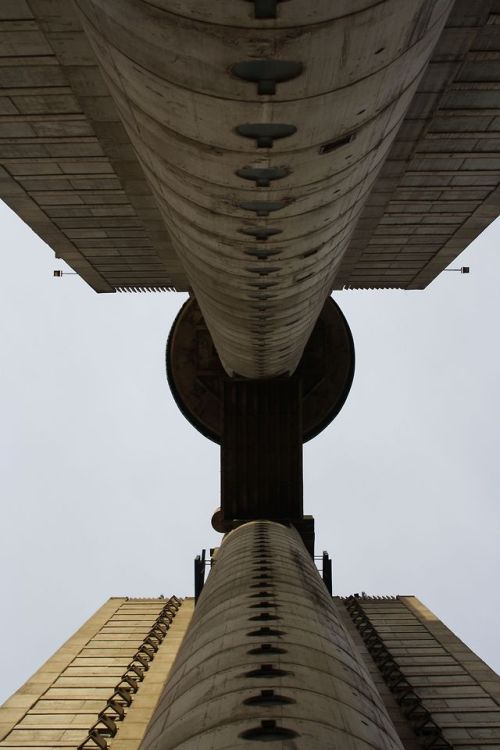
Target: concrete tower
267, 657
258, 154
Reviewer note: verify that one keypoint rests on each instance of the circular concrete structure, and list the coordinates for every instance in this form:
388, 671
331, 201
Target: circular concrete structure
196, 375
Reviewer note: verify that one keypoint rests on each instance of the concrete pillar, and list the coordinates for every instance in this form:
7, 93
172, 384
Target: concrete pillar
261, 181
266, 658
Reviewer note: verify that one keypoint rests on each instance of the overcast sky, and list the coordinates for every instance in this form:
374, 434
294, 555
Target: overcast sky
108, 491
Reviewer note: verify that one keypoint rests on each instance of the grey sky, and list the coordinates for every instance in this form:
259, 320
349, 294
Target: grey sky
107, 490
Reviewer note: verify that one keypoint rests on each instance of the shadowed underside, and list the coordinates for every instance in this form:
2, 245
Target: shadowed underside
260, 138
161, 175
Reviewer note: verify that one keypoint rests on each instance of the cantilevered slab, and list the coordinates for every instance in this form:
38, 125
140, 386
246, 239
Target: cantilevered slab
66, 164
439, 187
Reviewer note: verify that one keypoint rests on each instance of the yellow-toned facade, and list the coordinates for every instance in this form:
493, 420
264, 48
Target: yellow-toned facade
61, 702
95, 694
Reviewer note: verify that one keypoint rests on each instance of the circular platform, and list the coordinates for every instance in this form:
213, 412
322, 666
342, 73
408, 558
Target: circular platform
196, 376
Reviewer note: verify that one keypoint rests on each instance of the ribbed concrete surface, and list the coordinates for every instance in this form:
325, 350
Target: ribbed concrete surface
451, 697
85, 680
266, 658
169, 66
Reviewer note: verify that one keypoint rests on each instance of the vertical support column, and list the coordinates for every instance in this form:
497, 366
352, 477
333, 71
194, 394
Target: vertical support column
327, 572
199, 574
266, 658
261, 449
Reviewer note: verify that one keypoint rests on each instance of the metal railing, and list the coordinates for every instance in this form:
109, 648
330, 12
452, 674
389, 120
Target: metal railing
427, 731
115, 709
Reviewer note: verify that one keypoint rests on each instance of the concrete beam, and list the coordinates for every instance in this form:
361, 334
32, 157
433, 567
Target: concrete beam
179, 76
267, 658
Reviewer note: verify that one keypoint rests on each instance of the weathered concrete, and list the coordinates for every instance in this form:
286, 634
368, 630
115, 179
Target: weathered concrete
192, 119
435, 688
266, 657
439, 187
61, 702
68, 167
66, 163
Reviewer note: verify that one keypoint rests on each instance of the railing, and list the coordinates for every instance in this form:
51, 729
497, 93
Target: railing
201, 562
115, 708
420, 719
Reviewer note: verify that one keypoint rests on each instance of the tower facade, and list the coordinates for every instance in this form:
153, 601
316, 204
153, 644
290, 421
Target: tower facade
258, 154
438, 692
267, 655
96, 680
